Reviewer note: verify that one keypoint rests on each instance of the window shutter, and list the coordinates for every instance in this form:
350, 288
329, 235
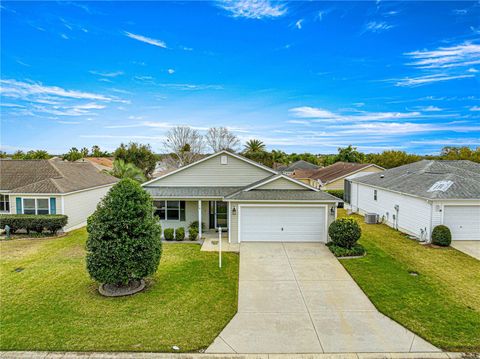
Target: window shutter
53, 205
18, 201
182, 210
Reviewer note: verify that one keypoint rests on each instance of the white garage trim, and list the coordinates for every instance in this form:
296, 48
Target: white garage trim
240, 206
465, 227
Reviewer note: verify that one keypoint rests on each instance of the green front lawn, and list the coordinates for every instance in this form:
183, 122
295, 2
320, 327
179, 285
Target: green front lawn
441, 304
52, 304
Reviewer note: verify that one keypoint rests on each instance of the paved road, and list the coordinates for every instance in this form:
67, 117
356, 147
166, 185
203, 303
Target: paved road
297, 298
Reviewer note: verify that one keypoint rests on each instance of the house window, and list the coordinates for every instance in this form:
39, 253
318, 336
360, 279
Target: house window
4, 203
170, 210
35, 206
374, 194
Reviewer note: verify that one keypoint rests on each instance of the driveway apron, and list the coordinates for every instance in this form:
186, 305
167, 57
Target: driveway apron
297, 298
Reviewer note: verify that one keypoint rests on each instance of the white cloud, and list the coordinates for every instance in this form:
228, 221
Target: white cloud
147, 40
427, 79
475, 108
462, 55
380, 26
321, 115
299, 122
171, 71
298, 24
430, 109
107, 74
472, 70
253, 9
63, 36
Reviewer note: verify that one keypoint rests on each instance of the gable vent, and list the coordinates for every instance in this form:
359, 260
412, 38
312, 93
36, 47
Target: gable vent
224, 160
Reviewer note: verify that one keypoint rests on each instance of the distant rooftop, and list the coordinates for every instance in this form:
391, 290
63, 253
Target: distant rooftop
298, 165
50, 176
333, 172
430, 179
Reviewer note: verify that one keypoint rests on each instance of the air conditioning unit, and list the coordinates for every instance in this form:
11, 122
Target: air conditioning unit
371, 218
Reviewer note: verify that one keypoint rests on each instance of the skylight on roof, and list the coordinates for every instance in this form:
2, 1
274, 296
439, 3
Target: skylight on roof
441, 186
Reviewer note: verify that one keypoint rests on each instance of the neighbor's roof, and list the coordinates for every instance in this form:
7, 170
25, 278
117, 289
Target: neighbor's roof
333, 172
298, 165
282, 195
430, 179
50, 176
190, 192
102, 163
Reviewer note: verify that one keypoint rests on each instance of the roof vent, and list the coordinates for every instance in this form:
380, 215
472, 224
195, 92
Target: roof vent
382, 176
224, 160
441, 186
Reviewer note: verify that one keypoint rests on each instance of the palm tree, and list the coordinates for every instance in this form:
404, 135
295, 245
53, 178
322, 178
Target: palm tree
254, 146
122, 169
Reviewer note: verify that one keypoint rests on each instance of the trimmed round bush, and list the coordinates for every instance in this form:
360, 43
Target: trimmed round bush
345, 232
441, 236
194, 224
169, 234
180, 234
123, 244
192, 234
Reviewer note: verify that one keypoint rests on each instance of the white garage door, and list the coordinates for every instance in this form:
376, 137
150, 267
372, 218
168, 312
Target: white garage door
282, 224
463, 221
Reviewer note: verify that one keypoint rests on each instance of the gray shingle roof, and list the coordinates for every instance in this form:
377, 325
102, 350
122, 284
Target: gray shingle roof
282, 195
190, 192
50, 176
417, 179
298, 165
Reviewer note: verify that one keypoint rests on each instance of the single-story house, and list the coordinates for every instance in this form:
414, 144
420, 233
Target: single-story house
52, 187
297, 165
333, 176
250, 201
415, 198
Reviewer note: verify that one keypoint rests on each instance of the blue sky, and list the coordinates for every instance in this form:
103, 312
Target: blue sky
301, 76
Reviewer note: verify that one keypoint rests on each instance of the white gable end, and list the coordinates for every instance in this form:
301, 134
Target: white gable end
220, 170
282, 183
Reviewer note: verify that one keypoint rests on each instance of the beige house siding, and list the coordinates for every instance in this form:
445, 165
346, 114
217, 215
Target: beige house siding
281, 183
79, 206
339, 183
191, 214
13, 201
212, 173
233, 231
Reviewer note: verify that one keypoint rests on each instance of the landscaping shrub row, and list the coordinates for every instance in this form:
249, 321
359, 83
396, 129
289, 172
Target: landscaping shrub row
31, 222
178, 234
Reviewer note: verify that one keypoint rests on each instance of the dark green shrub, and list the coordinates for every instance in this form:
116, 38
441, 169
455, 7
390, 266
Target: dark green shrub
168, 234
345, 232
194, 224
31, 222
356, 250
441, 236
123, 242
192, 234
336, 192
180, 234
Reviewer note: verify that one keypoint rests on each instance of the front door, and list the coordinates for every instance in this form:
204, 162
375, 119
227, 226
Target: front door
218, 214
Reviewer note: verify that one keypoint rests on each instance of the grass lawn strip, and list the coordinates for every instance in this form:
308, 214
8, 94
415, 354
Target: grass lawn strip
441, 304
52, 304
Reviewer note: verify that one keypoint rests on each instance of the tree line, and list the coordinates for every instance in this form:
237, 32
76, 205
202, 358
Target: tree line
184, 145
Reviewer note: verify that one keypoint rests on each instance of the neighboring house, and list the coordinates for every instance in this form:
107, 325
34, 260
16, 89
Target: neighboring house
101, 163
52, 187
332, 177
415, 198
251, 201
298, 165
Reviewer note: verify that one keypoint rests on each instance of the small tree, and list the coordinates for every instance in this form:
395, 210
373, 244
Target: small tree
127, 170
139, 154
123, 243
345, 232
220, 138
185, 143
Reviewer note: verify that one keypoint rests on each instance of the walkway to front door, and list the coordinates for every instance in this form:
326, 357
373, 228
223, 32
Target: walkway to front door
297, 298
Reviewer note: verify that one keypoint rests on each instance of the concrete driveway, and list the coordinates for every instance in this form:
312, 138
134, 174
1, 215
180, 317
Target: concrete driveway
472, 248
297, 298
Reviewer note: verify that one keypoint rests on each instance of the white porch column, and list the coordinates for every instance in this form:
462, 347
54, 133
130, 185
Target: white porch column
200, 219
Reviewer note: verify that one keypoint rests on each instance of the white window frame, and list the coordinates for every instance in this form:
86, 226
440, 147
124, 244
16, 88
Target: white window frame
36, 204
166, 209
6, 200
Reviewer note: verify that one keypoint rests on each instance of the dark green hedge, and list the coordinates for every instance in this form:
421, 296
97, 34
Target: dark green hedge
356, 250
336, 192
31, 222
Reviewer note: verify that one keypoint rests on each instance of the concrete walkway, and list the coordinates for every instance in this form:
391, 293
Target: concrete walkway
472, 248
297, 298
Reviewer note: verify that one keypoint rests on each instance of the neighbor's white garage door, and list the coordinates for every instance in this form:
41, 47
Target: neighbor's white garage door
282, 224
463, 221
